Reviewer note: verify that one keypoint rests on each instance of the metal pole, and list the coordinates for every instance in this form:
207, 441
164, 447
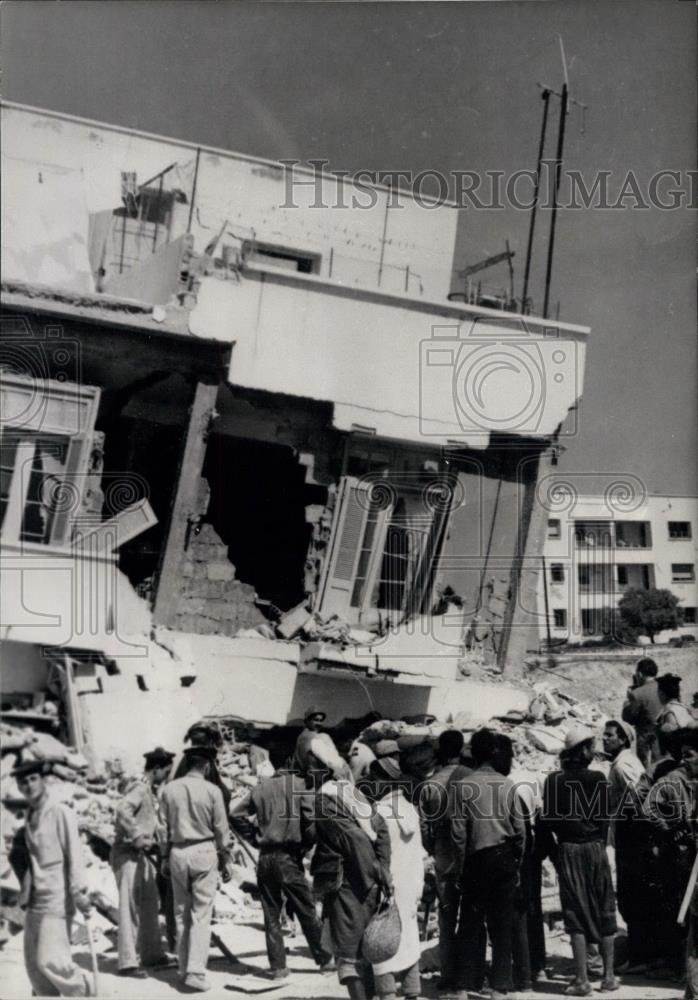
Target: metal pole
553, 220
546, 104
547, 605
157, 216
193, 188
385, 231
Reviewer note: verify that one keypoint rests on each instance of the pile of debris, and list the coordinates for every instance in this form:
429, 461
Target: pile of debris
93, 797
538, 734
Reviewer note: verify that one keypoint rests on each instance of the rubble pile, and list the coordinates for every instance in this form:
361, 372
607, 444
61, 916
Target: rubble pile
93, 797
539, 733
308, 626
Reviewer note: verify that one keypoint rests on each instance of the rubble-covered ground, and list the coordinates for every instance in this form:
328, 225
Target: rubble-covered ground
238, 958
248, 977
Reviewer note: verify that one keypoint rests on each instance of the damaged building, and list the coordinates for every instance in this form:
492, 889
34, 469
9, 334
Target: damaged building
247, 459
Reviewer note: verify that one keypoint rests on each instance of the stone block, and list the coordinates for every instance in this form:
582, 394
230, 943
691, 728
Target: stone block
220, 571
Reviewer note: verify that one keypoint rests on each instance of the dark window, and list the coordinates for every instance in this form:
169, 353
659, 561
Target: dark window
288, 258
683, 573
689, 616
679, 529
560, 617
554, 527
622, 576
557, 573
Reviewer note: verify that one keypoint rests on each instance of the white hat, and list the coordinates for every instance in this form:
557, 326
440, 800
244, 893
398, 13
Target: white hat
577, 735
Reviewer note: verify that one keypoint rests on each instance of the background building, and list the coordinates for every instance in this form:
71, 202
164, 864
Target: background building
599, 546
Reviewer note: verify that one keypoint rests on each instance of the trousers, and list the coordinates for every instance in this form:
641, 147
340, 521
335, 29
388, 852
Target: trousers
194, 873
47, 957
489, 880
386, 983
279, 875
139, 924
449, 903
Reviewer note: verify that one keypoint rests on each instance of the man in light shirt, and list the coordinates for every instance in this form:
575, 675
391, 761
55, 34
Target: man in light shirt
47, 854
199, 838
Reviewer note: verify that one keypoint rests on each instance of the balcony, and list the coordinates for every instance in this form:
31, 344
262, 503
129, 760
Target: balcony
638, 576
633, 535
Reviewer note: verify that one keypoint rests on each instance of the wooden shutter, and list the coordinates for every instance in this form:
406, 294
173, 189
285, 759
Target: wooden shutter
74, 478
348, 526
423, 583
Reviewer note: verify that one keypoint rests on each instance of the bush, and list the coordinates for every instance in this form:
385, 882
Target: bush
648, 612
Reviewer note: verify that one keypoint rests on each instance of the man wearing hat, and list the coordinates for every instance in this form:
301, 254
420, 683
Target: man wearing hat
137, 829
48, 859
313, 719
574, 826
197, 833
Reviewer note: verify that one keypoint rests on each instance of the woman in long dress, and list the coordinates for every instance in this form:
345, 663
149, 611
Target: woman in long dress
407, 870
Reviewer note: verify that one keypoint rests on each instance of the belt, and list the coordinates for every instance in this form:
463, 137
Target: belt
193, 843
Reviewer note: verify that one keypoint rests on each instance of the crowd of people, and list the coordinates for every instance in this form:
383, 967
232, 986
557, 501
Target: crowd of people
369, 819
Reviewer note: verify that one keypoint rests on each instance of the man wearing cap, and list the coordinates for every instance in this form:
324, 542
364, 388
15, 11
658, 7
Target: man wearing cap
197, 833
137, 829
313, 719
284, 811
49, 851
574, 825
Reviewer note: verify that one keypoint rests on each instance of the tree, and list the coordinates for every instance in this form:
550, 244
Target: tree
647, 612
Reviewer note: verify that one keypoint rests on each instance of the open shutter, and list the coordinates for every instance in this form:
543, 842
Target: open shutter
348, 527
68, 500
423, 583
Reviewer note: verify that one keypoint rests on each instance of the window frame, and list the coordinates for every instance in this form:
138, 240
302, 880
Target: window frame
335, 593
557, 572
43, 422
688, 568
280, 252
680, 538
554, 528
562, 613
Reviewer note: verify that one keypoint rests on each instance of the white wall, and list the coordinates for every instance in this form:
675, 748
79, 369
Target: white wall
250, 195
373, 359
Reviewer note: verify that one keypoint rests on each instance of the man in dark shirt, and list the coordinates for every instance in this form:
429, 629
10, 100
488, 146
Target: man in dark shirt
641, 708
488, 838
575, 820
436, 836
284, 811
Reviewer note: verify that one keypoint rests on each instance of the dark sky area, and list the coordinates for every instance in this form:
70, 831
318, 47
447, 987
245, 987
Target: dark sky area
442, 86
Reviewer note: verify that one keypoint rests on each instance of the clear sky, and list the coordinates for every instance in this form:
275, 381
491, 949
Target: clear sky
443, 86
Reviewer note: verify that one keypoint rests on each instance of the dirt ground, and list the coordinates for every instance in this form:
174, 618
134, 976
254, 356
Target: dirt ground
249, 977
